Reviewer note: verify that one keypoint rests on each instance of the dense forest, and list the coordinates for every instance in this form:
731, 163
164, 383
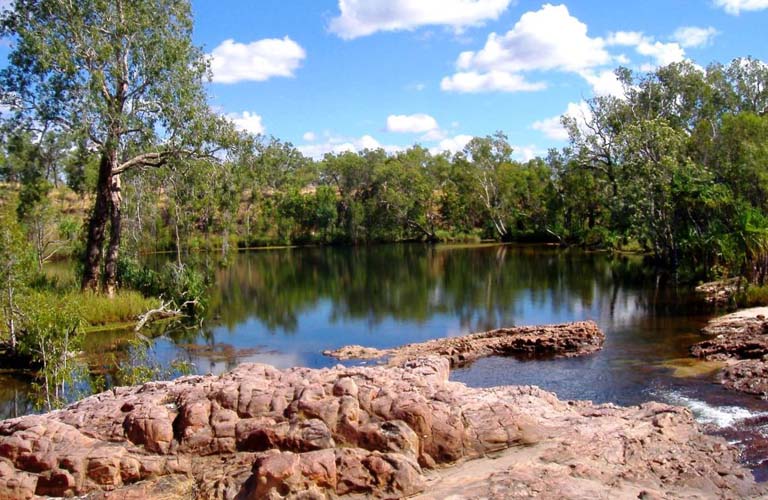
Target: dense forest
110, 149
676, 167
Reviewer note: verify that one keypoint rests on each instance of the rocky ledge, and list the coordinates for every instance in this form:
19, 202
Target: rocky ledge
741, 341
563, 340
388, 432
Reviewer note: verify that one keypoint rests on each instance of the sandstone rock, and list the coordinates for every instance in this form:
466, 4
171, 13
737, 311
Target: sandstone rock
564, 340
750, 376
258, 432
741, 340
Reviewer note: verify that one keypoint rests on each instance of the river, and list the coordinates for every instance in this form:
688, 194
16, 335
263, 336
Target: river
284, 307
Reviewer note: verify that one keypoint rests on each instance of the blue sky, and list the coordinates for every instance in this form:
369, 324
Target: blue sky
329, 75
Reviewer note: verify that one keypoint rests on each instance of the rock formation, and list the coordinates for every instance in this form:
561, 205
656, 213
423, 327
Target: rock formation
383, 431
741, 341
564, 340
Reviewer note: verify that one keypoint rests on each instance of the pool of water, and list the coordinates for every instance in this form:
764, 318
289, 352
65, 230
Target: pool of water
284, 307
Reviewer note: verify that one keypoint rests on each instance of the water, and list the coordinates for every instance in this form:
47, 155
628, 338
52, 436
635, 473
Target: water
284, 307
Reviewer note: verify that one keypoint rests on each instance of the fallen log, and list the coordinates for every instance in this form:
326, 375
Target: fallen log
165, 311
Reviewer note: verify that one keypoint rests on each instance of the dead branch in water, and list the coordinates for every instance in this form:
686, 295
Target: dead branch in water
165, 311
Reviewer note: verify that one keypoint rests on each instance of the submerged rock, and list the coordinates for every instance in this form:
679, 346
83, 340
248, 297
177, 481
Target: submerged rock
563, 340
387, 432
741, 340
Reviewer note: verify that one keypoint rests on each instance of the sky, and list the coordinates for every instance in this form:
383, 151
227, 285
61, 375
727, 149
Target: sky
335, 75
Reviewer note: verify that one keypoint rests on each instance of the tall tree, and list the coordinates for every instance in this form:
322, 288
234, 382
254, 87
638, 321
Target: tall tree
124, 74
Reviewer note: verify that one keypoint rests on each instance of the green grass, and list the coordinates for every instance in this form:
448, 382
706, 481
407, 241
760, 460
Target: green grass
755, 296
124, 307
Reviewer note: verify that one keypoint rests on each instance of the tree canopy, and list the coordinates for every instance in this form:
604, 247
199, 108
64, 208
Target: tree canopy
122, 76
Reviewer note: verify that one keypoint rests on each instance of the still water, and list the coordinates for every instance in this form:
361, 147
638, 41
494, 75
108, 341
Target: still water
284, 307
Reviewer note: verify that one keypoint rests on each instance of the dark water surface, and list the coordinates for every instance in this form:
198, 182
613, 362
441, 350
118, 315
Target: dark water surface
284, 307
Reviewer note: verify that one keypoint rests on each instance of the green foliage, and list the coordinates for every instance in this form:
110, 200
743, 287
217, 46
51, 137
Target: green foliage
52, 333
16, 265
185, 286
754, 296
178, 283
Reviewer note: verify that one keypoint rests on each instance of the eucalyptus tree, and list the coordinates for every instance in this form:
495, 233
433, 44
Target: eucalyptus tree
489, 160
123, 74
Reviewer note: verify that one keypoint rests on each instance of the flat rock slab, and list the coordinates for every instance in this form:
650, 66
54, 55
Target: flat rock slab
383, 432
741, 340
562, 340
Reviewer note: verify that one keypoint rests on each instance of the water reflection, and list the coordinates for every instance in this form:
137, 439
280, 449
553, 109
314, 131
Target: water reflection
284, 307
478, 288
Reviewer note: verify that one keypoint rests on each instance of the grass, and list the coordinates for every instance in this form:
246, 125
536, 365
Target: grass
124, 307
755, 296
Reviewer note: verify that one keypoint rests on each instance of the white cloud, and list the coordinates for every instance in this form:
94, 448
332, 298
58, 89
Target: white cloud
434, 135
472, 82
233, 62
364, 17
451, 144
525, 153
336, 144
309, 136
734, 7
547, 39
625, 38
412, 124
247, 122
553, 128
693, 36
603, 82
663, 53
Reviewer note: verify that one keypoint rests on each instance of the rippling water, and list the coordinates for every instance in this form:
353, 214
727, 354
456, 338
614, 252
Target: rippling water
284, 307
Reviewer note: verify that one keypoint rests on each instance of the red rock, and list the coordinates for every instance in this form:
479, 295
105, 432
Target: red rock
741, 340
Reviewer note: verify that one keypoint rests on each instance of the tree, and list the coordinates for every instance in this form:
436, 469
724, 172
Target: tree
489, 159
52, 332
123, 74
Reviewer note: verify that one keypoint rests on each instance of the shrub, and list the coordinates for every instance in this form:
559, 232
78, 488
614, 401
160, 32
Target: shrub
51, 333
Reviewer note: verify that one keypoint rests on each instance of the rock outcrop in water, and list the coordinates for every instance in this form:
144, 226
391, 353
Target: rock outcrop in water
388, 432
741, 340
564, 340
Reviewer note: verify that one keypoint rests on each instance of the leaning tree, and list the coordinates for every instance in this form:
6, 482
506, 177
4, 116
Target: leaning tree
122, 75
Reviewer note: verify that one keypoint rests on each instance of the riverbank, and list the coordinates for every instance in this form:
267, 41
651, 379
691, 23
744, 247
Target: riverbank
384, 431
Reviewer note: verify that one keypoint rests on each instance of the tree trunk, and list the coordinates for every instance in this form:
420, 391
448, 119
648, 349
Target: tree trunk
115, 229
98, 223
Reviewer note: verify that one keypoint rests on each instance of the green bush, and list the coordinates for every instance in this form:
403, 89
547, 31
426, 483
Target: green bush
51, 334
753, 296
132, 274
177, 283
